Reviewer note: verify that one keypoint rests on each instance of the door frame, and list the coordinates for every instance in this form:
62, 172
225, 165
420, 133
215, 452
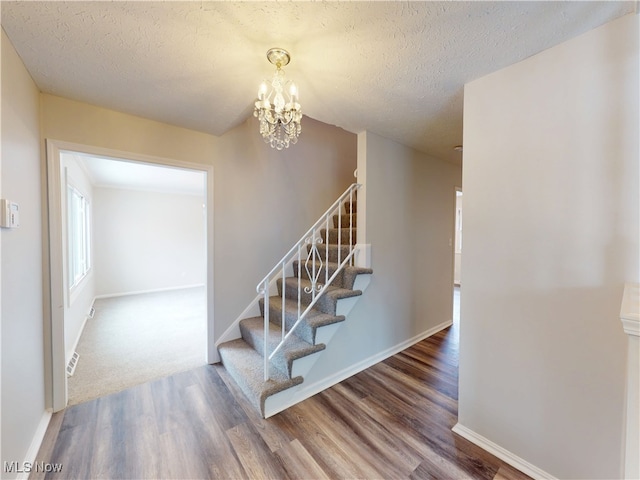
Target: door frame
54, 344
455, 230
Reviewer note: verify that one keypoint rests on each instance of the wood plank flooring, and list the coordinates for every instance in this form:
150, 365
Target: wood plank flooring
391, 421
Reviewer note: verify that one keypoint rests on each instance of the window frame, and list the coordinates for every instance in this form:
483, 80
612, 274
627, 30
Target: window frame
79, 228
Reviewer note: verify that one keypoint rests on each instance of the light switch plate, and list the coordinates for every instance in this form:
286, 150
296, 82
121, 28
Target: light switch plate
9, 214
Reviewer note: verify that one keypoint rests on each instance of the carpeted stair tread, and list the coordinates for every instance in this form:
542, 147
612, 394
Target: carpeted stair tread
344, 279
252, 330
345, 220
329, 267
332, 291
244, 357
307, 328
327, 302
351, 272
246, 366
348, 208
332, 250
345, 235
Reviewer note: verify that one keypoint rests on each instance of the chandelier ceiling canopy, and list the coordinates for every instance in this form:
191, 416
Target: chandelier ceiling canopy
277, 107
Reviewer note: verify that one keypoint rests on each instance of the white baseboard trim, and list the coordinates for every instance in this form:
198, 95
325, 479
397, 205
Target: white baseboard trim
502, 453
154, 290
338, 377
36, 442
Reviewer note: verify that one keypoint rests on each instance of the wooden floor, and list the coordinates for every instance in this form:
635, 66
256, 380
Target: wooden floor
390, 421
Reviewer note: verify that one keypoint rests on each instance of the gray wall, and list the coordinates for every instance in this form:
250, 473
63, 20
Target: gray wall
550, 237
23, 397
409, 218
266, 200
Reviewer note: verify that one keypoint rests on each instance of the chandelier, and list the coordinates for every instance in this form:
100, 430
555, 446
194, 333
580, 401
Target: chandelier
277, 107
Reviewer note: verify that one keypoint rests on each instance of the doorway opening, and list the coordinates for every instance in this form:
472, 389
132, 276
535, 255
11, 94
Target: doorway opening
457, 257
147, 250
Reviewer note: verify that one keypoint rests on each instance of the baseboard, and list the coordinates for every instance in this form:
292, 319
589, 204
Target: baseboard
154, 290
502, 453
321, 385
36, 442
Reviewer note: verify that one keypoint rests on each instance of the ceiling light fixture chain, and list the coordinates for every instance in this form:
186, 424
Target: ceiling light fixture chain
277, 107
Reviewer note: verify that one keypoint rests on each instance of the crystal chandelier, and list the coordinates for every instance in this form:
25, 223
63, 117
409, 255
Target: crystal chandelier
277, 107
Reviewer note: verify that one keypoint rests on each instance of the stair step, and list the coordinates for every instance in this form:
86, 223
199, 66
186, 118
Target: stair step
345, 220
327, 268
347, 208
345, 237
345, 279
244, 357
332, 249
350, 276
307, 330
246, 366
252, 330
327, 302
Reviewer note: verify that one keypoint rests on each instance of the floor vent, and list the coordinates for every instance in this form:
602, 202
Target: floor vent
71, 367
92, 312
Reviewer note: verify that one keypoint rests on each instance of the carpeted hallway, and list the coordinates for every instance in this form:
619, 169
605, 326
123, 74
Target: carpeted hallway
137, 338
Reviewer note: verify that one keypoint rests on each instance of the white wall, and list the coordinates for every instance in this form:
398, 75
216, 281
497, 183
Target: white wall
23, 397
550, 237
146, 241
409, 225
76, 306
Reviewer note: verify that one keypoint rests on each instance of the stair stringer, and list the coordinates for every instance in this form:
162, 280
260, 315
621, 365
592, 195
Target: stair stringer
278, 402
361, 283
288, 398
302, 366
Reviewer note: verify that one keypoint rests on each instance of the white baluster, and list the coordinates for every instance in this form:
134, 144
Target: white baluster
282, 322
266, 329
316, 288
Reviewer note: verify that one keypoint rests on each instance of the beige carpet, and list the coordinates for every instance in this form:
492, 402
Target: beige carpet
138, 338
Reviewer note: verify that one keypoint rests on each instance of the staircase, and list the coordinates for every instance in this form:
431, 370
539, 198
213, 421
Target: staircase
302, 303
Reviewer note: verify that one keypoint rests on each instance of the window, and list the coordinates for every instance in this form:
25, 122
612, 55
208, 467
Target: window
79, 236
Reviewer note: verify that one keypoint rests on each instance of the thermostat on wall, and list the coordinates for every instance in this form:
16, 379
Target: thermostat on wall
9, 214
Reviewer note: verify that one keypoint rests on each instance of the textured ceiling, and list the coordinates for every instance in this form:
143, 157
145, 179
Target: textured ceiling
394, 68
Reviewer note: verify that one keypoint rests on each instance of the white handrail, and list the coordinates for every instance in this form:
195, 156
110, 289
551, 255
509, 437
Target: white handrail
316, 289
353, 187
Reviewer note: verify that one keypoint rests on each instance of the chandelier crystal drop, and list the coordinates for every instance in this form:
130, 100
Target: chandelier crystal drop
277, 107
